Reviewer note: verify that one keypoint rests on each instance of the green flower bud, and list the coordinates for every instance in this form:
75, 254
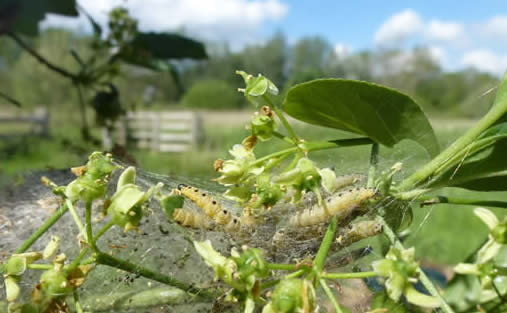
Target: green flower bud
51, 247
126, 208
99, 165
223, 267
257, 87
128, 176
262, 127
11, 288
55, 283
251, 264
240, 169
85, 189
499, 232
15, 266
267, 193
293, 296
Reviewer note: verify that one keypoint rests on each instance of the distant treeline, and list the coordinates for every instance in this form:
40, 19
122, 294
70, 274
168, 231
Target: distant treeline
212, 83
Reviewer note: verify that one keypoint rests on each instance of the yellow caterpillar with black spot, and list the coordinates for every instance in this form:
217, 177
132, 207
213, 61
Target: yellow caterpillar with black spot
342, 205
358, 231
191, 219
211, 207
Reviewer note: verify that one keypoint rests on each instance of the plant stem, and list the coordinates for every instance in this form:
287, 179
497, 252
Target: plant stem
430, 200
422, 276
76, 218
320, 258
496, 112
39, 266
348, 275
330, 295
316, 145
373, 165
295, 274
106, 259
47, 225
82, 108
282, 119
282, 267
40, 58
77, 261
88, 220
283, 137
77, 303
102, 231
269, 283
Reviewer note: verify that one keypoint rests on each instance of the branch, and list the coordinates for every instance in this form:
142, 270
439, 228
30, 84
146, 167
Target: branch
40, 58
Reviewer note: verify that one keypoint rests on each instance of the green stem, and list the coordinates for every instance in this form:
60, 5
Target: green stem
77, 261
282, 119
101, 232
76, 218
282, 267
460, 145
348, 275
39, 266
77, 302
47, 225
373, 165
106, 259
88, 220
414, 194
422, 276
320, 258
315, 146
295, 274
269, 283
330, 295
430, 200
274, 155
283, 137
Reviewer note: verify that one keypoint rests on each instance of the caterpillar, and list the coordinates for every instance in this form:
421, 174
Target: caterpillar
191, 219
343, 205
211, 207
346, 180
358, 231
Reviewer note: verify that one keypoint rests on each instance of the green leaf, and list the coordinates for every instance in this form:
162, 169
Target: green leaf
385, 115
485, 169
23, 16
167, 46
170, 203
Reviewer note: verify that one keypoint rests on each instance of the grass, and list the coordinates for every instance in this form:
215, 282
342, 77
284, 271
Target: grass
442, 234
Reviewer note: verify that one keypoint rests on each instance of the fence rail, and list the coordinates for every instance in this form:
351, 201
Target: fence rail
168, 131
13, 123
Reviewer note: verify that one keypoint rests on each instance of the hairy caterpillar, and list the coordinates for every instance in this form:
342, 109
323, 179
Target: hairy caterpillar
358, 231
343, 205
211, 207
191, 219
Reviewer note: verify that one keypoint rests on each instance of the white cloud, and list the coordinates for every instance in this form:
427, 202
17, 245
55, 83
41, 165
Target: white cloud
438, 54
486, 60
496, 27
234, 20
445, 31
399, 27
342, 50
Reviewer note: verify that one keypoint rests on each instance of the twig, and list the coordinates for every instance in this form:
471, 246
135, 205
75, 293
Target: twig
40, 58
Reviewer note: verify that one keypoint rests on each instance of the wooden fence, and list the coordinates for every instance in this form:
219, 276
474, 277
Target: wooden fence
14, 123
167, 131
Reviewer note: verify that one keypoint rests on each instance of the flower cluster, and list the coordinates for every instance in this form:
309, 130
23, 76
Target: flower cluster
402, 271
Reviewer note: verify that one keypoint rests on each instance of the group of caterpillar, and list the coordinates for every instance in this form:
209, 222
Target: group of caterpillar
212, 209
342, 205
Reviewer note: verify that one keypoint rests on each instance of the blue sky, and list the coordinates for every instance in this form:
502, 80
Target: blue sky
458, 33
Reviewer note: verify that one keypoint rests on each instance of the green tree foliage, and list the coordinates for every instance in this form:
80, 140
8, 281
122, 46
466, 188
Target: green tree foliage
212, 94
